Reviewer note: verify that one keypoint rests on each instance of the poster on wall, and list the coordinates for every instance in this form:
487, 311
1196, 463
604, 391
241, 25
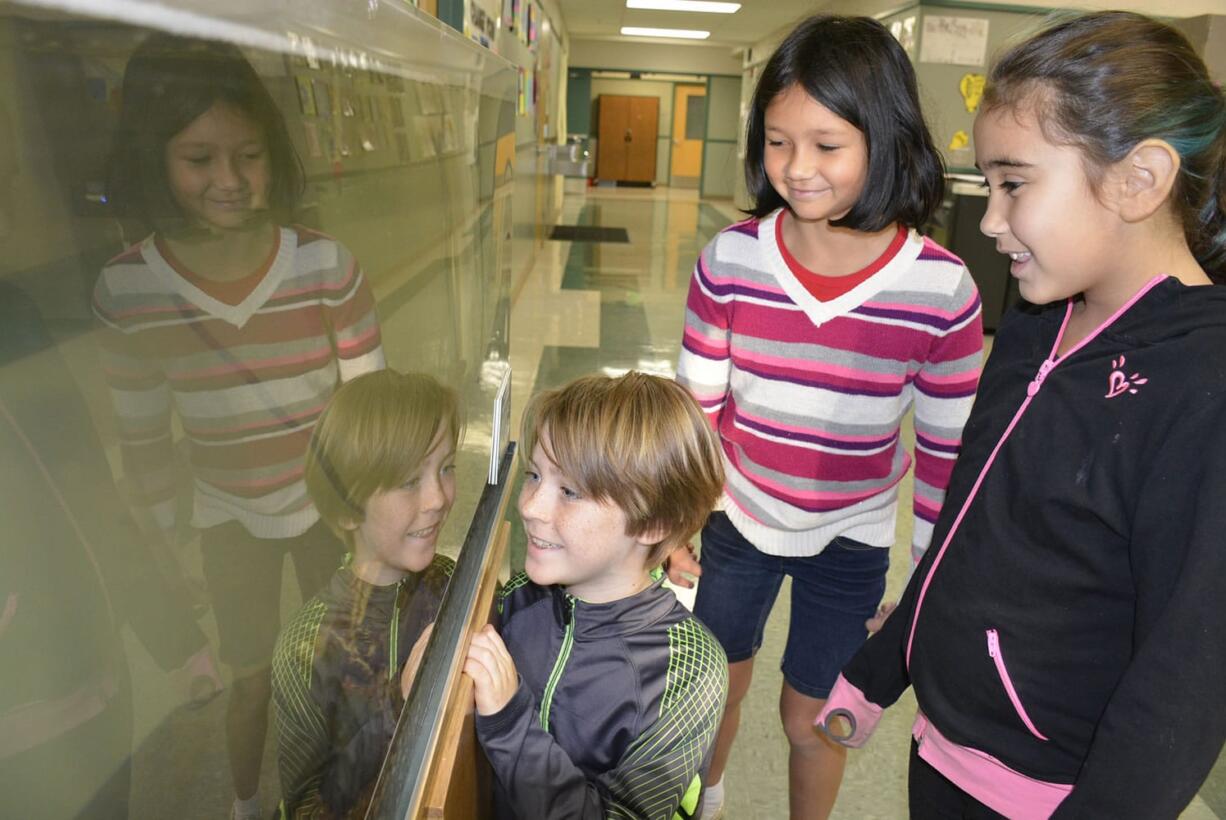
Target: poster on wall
323, 98
423, 142
479, 24
954, 40
306, 96
533, 19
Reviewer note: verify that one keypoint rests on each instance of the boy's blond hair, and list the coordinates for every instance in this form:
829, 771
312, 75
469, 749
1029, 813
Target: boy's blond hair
638, 441
371, 437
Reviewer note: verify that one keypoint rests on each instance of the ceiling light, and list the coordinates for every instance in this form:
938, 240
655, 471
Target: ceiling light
682, 33
684, 5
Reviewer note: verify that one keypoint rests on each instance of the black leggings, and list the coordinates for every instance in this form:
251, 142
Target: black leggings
932, 797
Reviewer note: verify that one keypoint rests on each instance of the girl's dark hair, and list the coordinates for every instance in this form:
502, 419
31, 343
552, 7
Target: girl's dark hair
1104, 82
854, 67
169, 82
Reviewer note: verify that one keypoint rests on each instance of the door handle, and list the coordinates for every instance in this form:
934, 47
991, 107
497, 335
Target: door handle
629, 135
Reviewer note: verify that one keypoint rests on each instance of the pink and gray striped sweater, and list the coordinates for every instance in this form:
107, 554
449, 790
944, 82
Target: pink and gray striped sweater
808, 396
247, 381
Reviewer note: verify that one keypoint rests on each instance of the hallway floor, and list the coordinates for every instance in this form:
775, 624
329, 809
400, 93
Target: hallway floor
608, 307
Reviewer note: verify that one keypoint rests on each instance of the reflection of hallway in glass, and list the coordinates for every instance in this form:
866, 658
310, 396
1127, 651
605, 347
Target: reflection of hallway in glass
599, 307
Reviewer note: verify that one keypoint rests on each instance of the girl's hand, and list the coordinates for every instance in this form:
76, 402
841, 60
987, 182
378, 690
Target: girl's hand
875, 623
414, 662
198, 680
680, 564
490, 666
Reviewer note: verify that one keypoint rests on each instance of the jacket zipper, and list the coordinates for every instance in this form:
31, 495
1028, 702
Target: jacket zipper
1032, 389
568, 641
1049, 364
999, 658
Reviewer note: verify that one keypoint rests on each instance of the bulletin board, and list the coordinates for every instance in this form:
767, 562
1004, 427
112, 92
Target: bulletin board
952, 47
366, 118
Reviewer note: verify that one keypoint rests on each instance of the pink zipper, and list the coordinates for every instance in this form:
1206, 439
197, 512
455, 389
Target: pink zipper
999, 658
1049, 364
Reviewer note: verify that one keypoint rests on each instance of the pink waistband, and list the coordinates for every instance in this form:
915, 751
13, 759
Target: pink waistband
985, 778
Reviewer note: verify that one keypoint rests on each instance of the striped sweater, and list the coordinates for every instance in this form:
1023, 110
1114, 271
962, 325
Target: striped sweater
247, 381
808, 396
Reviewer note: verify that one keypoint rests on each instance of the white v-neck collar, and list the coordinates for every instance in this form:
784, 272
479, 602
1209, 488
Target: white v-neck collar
236, 315
820, 312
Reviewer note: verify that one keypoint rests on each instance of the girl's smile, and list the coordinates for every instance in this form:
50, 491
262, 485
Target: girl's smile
218, 169
1034, 187
816, 160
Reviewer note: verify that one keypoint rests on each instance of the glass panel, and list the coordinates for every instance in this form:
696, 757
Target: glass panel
695, 116
203, 237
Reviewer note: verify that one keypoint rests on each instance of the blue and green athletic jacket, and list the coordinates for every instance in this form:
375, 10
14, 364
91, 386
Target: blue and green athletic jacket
336, 686
616, 711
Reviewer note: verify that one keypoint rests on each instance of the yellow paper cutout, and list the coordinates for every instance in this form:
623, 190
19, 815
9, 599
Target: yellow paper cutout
960, 140
971, 87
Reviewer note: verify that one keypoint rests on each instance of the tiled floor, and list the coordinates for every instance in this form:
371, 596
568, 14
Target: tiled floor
610, 307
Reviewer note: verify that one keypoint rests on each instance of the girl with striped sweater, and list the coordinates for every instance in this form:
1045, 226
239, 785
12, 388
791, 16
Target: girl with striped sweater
241, 327
810, 330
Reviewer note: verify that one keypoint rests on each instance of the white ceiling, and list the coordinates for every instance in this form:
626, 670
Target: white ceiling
756, 19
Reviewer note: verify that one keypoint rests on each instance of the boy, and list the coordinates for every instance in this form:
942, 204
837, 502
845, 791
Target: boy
602, 696
380, 469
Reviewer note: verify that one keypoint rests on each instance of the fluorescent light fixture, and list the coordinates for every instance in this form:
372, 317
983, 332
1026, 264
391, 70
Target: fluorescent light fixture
648, 75
681, 33
684, 5
673, 78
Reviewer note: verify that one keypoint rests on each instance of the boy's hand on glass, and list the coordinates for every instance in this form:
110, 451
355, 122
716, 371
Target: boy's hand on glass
681, 564
875, 623
492, 670
414, 662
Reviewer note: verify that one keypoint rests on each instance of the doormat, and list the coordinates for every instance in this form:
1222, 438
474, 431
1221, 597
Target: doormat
588, 233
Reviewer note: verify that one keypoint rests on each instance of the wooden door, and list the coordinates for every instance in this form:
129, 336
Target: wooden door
689, 128
613, 116
627, 131
644, 129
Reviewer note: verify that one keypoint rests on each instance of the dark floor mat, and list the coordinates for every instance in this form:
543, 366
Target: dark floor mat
588, 233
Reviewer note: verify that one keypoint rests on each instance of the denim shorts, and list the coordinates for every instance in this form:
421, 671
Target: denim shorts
833, 594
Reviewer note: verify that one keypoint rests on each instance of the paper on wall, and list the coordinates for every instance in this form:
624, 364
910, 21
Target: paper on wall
954, 40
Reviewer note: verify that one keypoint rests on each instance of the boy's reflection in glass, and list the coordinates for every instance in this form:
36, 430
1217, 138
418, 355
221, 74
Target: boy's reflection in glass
240, 325
381, 469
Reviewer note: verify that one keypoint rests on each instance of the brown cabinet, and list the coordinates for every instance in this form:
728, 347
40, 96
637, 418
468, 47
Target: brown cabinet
627, 130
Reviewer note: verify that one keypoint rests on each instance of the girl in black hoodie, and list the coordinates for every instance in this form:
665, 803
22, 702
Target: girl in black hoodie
1066, 640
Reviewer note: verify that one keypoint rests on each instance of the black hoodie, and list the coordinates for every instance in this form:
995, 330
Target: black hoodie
1089, 557
616, 711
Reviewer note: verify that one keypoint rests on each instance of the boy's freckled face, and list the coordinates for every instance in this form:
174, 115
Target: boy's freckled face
218, 169
401, 528
574, 541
